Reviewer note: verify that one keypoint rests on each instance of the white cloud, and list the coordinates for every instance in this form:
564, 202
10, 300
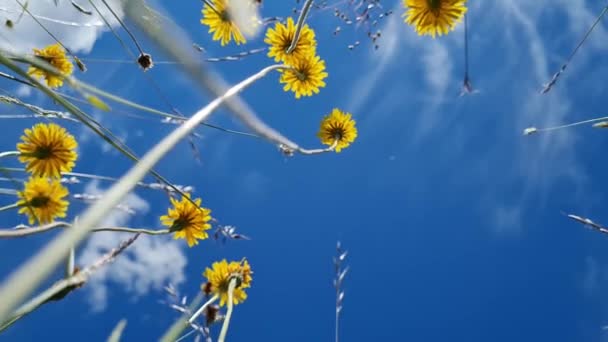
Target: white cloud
507, 219
149, 264
74, 29
23, 91
592, 276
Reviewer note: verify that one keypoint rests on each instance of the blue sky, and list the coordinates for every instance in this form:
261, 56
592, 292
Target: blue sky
453, 219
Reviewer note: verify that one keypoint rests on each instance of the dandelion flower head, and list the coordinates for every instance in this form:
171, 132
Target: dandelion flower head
219, 276
220, 24
434, 17
305, 76
280, 38
337, 128
42, 200
188, 220
48, 150
55, 56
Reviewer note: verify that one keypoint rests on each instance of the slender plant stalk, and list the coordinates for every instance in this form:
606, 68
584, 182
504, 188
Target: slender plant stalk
22, 232
588, 223
185, 335
180, 324
9, 154
69, 263
117, 331
42, 298
9, 207
202, 308
319, 150
25, 279
547, 87
299, 25
96, 177
124, 27
231, 287
578, 123
24, 7
64, 286
9, 233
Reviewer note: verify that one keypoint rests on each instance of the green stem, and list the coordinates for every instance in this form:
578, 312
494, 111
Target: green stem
9, 207
181, 323
21, 232
9, 154
572, 124
231, 287
42, 298
202, 308
299, 25
69, 263
61, 288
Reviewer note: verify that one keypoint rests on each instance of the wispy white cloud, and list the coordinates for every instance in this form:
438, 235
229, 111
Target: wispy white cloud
149, 264
74, 29
592, 276
23, 91
424, 100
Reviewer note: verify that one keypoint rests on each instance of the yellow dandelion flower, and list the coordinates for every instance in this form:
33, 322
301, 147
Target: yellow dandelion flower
218, 279
48, 150
41, 200
188, 220
281, 37
305, 76
337, 126
220, 24
434, 17
55, 56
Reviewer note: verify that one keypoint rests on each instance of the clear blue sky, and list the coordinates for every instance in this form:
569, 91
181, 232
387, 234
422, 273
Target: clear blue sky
453, 219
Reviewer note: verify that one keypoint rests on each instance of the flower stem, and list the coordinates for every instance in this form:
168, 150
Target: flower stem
9, 154
301, 20
572, 124
9, 207
202, 308
231, 287
69, 263
21, 232
61, 288
319, 150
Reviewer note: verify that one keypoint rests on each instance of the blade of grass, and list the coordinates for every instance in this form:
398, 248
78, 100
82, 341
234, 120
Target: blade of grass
27, 277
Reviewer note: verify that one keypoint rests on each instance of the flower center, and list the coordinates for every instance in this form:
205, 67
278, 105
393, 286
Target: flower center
302, 76
434, 4
43, 152
179, 224
224, 16
39, 201
337, 133
223, 286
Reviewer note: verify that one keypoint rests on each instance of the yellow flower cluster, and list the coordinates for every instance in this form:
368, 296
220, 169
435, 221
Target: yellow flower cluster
188, 220
306, 72
434, 17
219, 276
47, 150
55, 56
